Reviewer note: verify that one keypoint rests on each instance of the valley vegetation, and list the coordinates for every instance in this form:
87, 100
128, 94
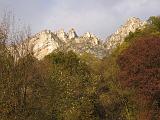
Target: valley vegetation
124, 85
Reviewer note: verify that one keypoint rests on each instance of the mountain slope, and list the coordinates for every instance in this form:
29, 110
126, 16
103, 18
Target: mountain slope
46, 41
118, 37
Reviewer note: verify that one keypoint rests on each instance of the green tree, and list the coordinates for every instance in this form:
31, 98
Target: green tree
69, 82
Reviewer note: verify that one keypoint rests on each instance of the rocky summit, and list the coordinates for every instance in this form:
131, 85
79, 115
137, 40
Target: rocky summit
118, 37
47, 41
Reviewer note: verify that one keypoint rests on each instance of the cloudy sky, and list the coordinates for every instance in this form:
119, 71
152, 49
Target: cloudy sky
101, 17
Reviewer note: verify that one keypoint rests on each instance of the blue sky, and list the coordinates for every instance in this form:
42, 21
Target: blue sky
101, 17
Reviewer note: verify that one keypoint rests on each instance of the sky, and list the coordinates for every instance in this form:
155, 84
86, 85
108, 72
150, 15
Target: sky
100, 17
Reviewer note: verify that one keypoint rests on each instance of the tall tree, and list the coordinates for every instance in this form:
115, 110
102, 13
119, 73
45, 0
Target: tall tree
140, 70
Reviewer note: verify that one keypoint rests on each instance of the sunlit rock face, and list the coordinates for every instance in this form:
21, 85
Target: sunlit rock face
47, 41
72, 34
118, 37
44, 43
87, 43
89, 36
61, 35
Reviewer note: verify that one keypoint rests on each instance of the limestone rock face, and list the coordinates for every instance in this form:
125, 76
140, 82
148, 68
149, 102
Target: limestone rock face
118, 37
87, 35
93, 38
88, 43
61, 35
44, 43
72, 34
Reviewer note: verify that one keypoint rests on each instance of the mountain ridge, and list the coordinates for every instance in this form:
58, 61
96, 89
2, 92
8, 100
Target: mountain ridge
123, 31
46, 41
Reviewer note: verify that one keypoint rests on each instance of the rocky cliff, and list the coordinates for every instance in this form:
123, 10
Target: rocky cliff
44, 43
47, 41
118, 37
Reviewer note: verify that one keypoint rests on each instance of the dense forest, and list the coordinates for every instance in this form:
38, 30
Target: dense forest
124, 85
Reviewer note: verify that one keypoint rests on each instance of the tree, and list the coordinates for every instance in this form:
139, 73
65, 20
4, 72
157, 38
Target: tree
69, 84
140, 70
22, 86
154, 22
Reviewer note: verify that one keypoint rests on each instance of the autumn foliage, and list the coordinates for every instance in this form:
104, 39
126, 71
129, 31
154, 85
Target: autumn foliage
124, 85
140, 65
140, 69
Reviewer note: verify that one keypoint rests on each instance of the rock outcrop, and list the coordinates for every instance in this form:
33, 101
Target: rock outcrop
88, 43
61, 35
118, 37
93, 38
46, 41
72, 34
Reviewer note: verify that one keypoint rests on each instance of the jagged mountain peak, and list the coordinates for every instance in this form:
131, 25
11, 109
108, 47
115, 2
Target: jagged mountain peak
133, 19
42, 32
93, 38
46, 41
118, 37
88, 35
72, 30
61, 34
72, 34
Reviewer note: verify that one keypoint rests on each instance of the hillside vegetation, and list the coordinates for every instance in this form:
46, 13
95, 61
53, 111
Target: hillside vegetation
124, 85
